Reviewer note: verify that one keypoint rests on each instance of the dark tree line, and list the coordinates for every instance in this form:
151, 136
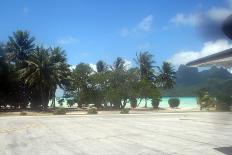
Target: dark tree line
30, 75
115, 85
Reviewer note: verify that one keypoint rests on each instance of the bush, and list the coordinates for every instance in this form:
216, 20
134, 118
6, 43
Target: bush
155, 103
23, 113
206, 100
70, 102
125, 111
174, 102
222, 106
92, 110
223, 103
59, 111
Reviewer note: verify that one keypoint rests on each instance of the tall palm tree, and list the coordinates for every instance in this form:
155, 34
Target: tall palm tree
116, 82
20, 45
18, 48
146, 65
58, 55
44, 71
101, 66
166, 78
119, 64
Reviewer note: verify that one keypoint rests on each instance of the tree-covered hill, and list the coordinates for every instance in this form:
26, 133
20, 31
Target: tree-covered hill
190, 81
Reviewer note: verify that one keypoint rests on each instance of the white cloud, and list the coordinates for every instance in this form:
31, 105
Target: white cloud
145, 25
72, 67
68, 40
128, 64
182, 19
230, 3
208, 48
216, 14
219, 13
93, 66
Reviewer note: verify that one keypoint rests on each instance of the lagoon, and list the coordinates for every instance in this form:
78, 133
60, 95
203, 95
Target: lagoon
185, 102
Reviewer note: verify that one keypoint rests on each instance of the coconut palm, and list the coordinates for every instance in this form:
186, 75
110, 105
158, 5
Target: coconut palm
146, 65
166, 78
43, 73
119, 64
20, 45
147, 81
115, 80
101, 66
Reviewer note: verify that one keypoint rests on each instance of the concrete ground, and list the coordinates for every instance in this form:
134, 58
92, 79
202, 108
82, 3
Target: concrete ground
157, 133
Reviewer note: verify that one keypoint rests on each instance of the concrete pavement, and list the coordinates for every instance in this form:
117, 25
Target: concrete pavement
159, 133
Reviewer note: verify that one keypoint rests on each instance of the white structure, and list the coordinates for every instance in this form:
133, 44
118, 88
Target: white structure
223, 59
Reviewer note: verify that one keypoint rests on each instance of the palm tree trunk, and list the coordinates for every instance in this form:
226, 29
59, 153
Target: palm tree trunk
139, 102
54, 102
145, 103
124, 103
42, 96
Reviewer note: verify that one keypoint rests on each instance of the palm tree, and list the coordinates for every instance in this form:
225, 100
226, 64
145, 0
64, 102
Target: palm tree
44, 71
20, 45
101, 66
58, 55
119, 64
166, 78
146, 68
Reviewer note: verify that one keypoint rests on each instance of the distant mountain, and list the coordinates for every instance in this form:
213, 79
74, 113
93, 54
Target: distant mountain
189, 80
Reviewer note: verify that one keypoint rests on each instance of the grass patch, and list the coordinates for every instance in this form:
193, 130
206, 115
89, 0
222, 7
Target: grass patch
23, 113
92, 110
59, 111
125, 111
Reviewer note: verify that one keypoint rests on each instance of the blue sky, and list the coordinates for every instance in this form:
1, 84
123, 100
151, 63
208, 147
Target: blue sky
92, 30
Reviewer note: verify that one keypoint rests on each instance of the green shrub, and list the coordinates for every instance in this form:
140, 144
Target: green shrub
223, 103
222, 106
206, 101
70, 102
92, 110
174, 102
23, 113
59, 111
125, 111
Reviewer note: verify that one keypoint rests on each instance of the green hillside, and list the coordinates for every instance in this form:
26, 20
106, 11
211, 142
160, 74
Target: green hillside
190, 81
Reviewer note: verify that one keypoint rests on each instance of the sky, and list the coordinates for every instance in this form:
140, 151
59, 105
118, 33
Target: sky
92, 30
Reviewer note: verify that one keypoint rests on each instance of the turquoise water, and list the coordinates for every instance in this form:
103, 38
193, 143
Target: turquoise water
185, 102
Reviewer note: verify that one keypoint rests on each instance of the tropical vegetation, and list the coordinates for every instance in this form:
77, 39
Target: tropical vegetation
30, 74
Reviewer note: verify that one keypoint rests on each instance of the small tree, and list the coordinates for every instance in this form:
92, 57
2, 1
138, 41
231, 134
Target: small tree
223, 102
61, 101
205, 100
70, 102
